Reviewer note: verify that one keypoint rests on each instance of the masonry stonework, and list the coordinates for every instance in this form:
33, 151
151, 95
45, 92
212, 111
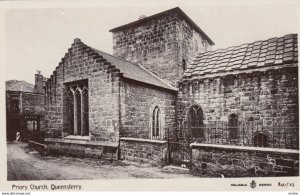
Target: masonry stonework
233, 161
81, 63
164, 43
144, 151
262, 97
139, 103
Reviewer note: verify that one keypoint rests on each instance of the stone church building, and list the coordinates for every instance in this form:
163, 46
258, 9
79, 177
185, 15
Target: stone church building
164, 97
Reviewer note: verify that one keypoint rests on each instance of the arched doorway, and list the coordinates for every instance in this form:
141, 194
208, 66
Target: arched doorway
195, 123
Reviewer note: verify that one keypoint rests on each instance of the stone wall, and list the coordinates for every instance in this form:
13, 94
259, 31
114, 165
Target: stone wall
82, 63
29, 103
82, 149
234, 161
264, 97
142, 151
190, 43
160, 44
139, 101
33, 103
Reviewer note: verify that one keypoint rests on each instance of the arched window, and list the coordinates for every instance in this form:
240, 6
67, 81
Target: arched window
195, 122
78, 108
260, 139
156, 124
233, 126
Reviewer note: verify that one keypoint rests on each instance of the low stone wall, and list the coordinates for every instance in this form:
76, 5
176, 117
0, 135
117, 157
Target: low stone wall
238, 161
154, 152
79, 148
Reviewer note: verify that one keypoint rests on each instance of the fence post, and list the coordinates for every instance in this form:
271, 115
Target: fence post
273, 133
278, 132
216, 133
284, 133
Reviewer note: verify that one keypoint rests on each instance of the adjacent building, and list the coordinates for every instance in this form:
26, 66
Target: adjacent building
24, 107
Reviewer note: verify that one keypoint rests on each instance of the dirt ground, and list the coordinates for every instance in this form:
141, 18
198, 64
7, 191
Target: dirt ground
23, 164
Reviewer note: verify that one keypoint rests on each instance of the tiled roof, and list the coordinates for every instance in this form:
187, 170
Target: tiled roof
176, 9
136, 72
267, 53
15, 85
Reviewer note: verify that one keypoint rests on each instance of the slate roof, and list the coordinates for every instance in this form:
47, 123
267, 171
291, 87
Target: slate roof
136, 72
176, 9
15, 85
267, 53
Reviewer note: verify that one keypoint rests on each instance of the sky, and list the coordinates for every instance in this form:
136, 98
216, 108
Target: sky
37, 37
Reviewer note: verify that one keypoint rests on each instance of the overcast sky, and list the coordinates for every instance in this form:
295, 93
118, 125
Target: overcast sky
37, 39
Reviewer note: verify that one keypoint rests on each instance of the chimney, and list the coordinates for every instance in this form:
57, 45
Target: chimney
39, 83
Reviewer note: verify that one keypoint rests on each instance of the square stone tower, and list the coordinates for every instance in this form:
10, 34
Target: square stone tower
165, 43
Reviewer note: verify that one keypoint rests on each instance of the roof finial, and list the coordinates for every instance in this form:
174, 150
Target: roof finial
142, 17
77, 40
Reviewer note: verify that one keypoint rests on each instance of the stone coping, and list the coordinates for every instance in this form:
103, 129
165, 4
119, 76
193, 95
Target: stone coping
245, 148
74, 137
82, 142
143, 140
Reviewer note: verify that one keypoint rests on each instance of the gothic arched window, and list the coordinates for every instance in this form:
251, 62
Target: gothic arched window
156, 124
195, 122
78, 108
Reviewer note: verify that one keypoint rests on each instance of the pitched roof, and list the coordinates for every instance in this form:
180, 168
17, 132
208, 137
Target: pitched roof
267, 53
176, 9
135, 72
15, 85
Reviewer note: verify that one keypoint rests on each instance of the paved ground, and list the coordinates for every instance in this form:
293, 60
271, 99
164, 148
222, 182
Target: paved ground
25, 165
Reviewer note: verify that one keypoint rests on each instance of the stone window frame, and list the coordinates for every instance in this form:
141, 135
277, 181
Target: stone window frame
233, 126
199, 121
79, 88
157, 113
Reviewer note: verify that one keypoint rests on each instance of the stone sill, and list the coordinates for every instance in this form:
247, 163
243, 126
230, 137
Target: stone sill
245, 148
82, 142
143, 140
